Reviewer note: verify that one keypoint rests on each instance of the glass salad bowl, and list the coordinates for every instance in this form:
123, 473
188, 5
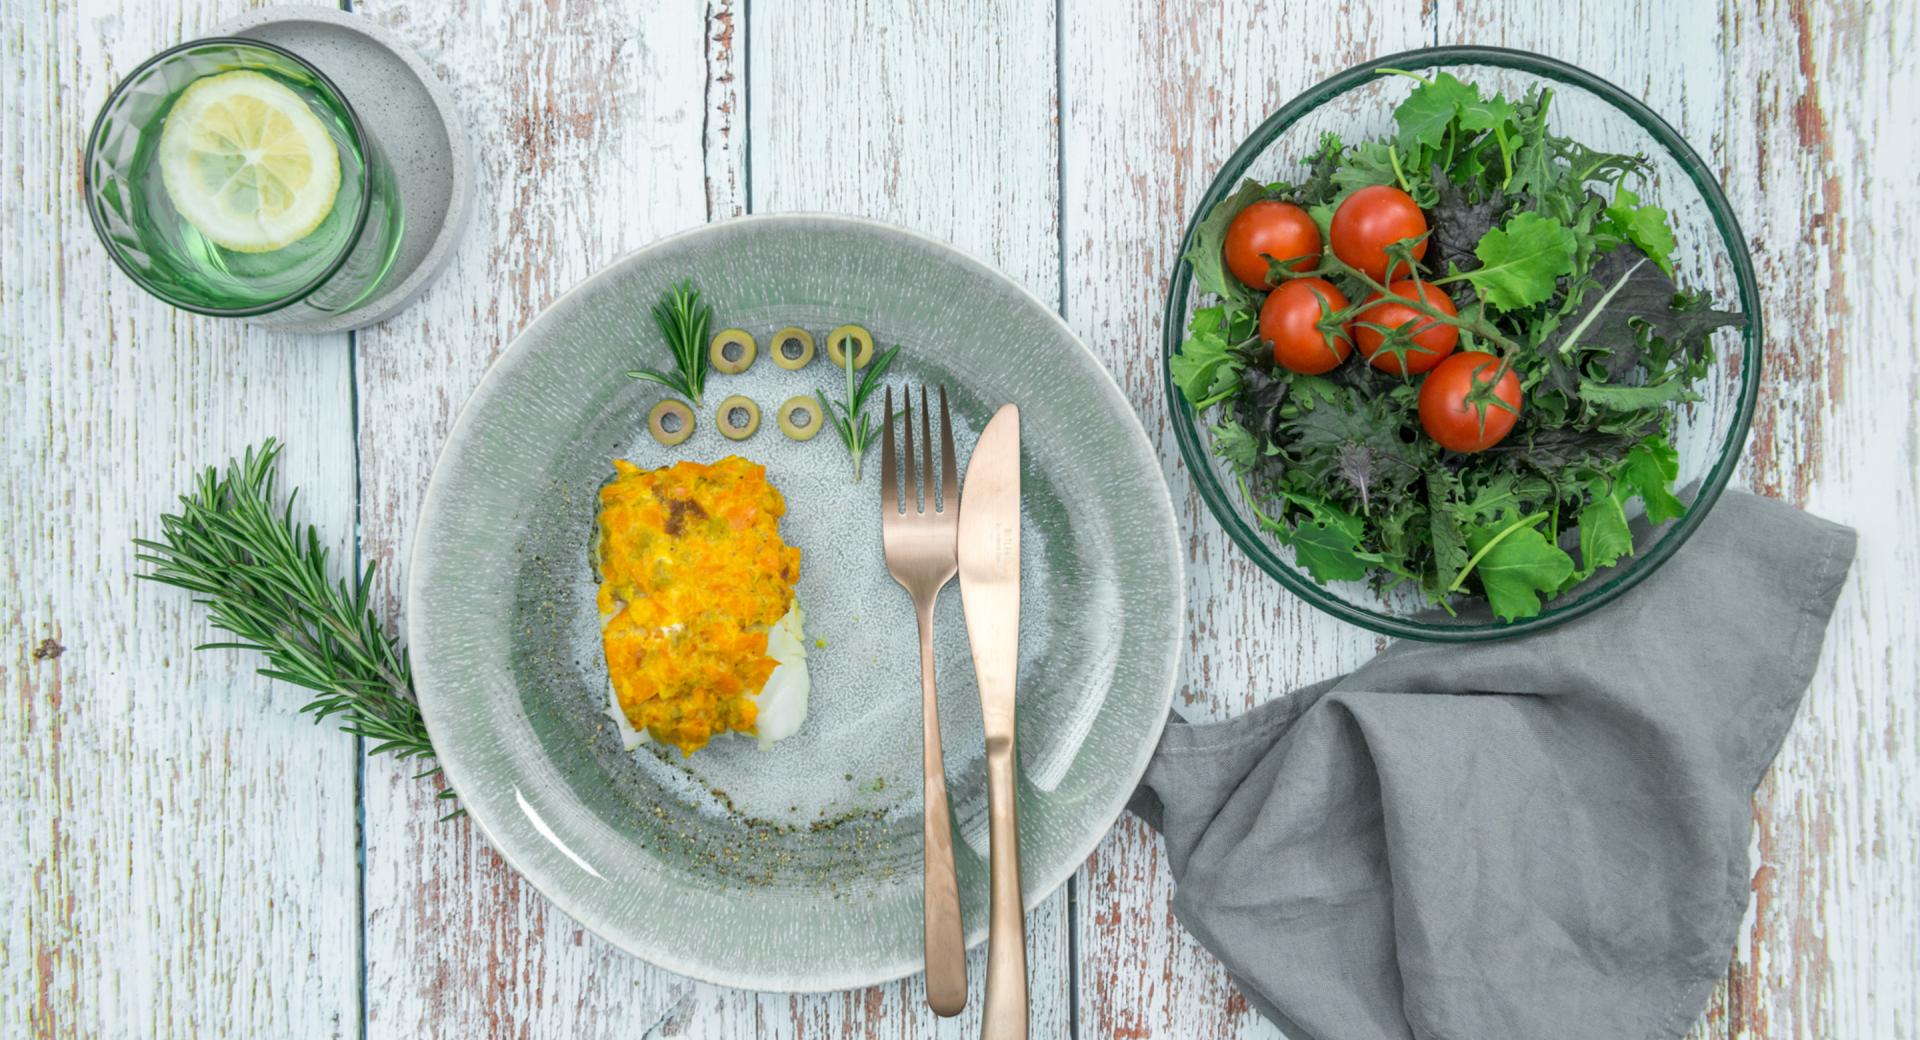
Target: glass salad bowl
1710, 256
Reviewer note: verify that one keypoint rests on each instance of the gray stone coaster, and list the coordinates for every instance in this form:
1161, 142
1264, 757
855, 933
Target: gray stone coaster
406, 107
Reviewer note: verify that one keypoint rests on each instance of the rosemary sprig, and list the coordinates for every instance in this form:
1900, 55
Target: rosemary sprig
264, 579
853, 423
684, 321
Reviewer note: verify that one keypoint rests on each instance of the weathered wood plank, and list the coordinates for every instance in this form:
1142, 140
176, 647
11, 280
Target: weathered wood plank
180, 856
726, 112
1797, 108
1156, 97
1821, 146
589, 122
939, 116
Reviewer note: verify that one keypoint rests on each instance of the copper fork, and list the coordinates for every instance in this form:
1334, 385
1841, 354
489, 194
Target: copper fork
922, 547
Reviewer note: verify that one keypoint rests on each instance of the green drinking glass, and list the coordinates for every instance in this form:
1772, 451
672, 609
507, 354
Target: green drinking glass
230, 177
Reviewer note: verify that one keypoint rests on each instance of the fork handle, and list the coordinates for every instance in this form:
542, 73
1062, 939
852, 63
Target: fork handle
945, 942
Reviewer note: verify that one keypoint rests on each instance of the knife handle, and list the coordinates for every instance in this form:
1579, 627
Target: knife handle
1005, 1014
946, 948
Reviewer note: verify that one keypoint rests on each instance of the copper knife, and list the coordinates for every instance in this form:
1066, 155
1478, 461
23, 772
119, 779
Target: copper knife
990, 596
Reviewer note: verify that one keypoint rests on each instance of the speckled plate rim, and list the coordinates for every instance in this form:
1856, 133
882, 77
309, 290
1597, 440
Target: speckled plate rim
465, 776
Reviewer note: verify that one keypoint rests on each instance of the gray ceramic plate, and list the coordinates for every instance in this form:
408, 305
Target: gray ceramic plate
797, 867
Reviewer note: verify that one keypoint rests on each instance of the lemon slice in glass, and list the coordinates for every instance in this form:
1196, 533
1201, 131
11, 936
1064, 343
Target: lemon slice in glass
247, 163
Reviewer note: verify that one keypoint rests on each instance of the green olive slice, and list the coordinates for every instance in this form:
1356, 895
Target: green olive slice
862, 352
670, 422
791, 347
738, 417
732, 351
799, 417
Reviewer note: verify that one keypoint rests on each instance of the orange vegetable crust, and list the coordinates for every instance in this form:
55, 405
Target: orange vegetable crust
693, 572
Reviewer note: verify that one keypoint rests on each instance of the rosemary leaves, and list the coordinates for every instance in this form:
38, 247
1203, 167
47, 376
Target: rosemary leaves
684, 321
852, 423
264, 580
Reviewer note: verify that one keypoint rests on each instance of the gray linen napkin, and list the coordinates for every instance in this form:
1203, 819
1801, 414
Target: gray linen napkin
1538, 837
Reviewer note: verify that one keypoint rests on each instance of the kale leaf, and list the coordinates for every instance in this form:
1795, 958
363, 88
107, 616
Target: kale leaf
1356, 439
1207, 368
1629, 298
1264, 392
1443, 529
1430, 109
1649, 471
1207, 254
1328, 543
1319, 187
1516, 564
1458, 225
1521, 261
1617, 397
1329, 552
1239, 446
1562, 447
1645, 226
1368, 164
1604, 536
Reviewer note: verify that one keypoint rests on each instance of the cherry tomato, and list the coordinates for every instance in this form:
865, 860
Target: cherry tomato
1269, 227
1458, 418
1432, 340
1289, 324
1369, 221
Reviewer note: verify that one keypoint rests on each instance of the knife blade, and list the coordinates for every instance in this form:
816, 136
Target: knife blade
990, 598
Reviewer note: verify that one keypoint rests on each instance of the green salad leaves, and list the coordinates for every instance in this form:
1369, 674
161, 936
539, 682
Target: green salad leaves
1556, 264
1522, 261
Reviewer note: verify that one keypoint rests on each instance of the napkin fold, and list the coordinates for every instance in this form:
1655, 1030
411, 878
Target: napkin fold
1545, 836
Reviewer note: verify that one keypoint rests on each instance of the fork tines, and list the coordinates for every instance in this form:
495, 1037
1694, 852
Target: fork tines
948, 489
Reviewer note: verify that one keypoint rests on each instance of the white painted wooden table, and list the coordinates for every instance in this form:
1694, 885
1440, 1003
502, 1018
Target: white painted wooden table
186, 856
